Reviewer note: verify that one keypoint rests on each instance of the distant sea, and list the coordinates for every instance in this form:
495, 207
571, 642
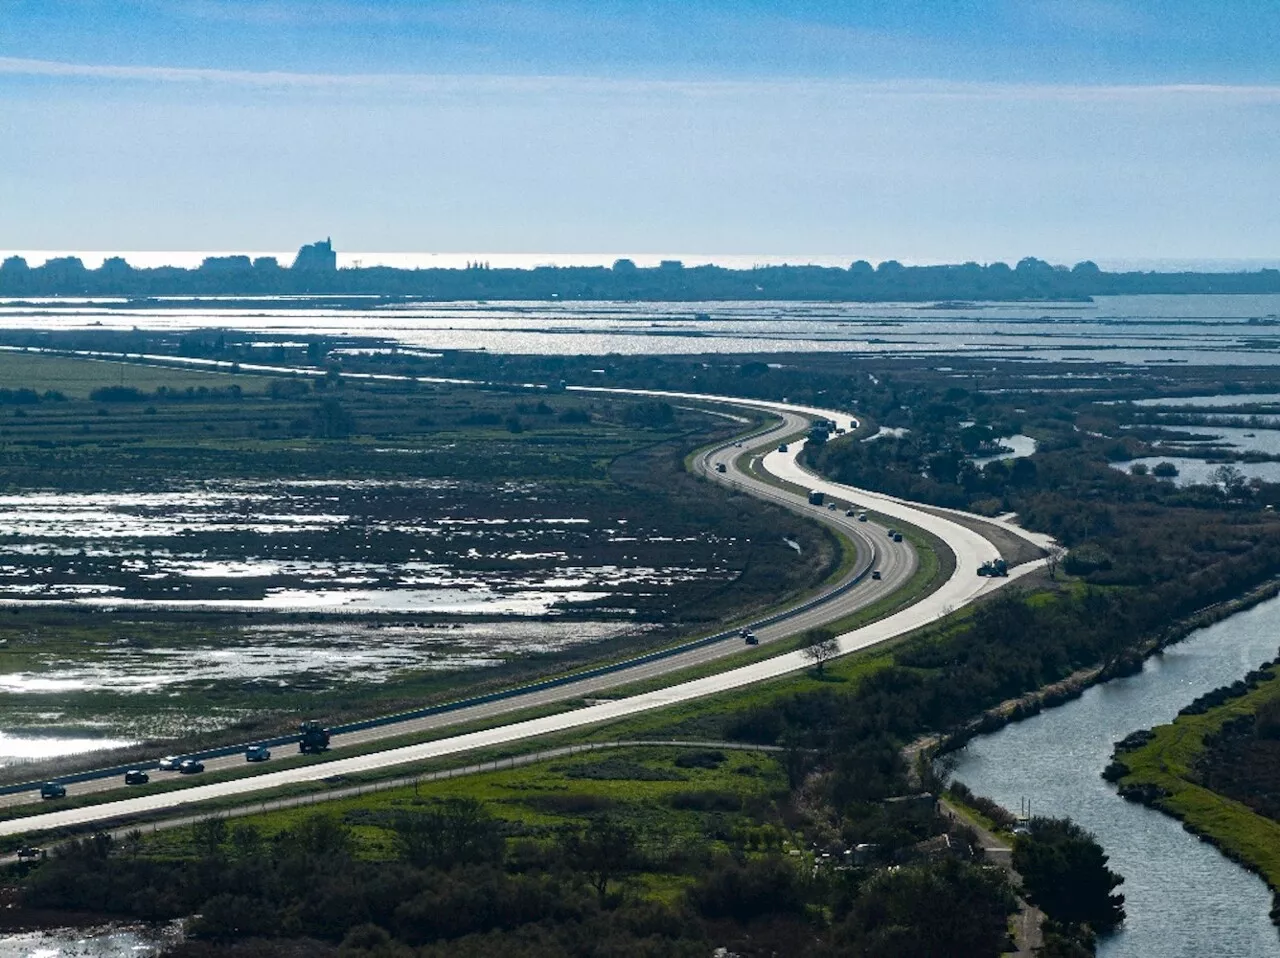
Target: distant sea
189, 259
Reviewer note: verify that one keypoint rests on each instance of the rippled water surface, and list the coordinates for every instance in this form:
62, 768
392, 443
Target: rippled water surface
1236, 330
106, 942
1183, 898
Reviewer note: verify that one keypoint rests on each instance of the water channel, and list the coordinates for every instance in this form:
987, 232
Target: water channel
1183, 898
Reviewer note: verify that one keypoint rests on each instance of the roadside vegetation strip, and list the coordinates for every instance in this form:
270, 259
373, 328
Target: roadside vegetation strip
932, 570
1162, 773
330, 791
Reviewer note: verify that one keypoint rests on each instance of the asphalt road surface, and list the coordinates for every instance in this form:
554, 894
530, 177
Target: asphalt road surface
896, 562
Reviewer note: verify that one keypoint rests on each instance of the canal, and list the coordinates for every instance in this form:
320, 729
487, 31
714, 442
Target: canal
1182, 897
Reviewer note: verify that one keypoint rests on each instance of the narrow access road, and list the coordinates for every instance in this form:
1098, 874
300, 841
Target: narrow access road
1028, 933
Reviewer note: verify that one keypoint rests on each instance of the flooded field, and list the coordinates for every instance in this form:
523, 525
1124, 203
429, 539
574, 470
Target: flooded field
304, 655
233, 555
108, 941
425, 546
1232, 330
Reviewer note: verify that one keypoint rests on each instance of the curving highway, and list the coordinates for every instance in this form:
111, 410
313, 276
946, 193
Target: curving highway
895, 561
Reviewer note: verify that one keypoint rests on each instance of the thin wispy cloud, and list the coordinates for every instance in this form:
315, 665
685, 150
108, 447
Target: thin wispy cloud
514, 83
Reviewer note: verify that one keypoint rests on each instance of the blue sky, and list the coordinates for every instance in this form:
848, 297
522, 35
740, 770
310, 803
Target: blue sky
916, 130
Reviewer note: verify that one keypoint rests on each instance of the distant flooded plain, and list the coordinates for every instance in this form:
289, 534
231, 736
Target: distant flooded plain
1229, 330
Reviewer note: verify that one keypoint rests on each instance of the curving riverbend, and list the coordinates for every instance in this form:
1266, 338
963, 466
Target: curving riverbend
1183, 898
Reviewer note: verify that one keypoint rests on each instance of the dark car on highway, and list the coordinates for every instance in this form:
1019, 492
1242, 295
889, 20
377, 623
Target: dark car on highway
53, 790
191, 766
257, 753
136, 776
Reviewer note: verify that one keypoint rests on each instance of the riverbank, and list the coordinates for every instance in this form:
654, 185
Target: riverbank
1183, 897
1074, 685
1162, 769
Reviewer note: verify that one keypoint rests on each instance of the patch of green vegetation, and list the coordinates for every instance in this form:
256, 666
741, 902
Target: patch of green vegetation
1165, 768
643, 788
77, 377
708, 717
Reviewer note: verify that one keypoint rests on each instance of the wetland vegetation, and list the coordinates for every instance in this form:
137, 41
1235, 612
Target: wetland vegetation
260, 540
1141, 552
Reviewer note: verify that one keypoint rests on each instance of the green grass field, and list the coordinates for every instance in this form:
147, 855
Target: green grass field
643, 787
76, 377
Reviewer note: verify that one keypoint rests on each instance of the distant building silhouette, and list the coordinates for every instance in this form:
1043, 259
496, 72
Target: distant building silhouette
225, 264
317, 257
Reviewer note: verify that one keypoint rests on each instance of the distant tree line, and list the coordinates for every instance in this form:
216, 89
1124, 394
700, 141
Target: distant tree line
1030, 278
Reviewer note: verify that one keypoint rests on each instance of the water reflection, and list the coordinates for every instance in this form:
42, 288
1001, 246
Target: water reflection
111, 941
18, 748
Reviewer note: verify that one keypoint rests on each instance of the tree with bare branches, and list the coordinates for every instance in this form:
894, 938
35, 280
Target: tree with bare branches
820, 645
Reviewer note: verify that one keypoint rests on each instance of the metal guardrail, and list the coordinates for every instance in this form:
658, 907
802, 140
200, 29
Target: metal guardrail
475, 700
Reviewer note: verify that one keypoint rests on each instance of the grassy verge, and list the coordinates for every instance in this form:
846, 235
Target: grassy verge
984, 821
643, 787
1164, 768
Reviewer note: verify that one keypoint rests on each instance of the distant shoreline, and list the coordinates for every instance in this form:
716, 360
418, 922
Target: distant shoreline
315, 272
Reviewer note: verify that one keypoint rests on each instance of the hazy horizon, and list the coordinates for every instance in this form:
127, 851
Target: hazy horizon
926, 131
399, 259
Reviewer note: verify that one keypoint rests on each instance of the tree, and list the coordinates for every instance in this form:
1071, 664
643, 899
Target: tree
331, 421
820, 645
1064, 871
456, 831
602, 852
1054, 559
209, 835
742, 891
948, 910
1230, 479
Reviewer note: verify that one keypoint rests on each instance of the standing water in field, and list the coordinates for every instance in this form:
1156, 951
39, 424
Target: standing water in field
1183, 898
